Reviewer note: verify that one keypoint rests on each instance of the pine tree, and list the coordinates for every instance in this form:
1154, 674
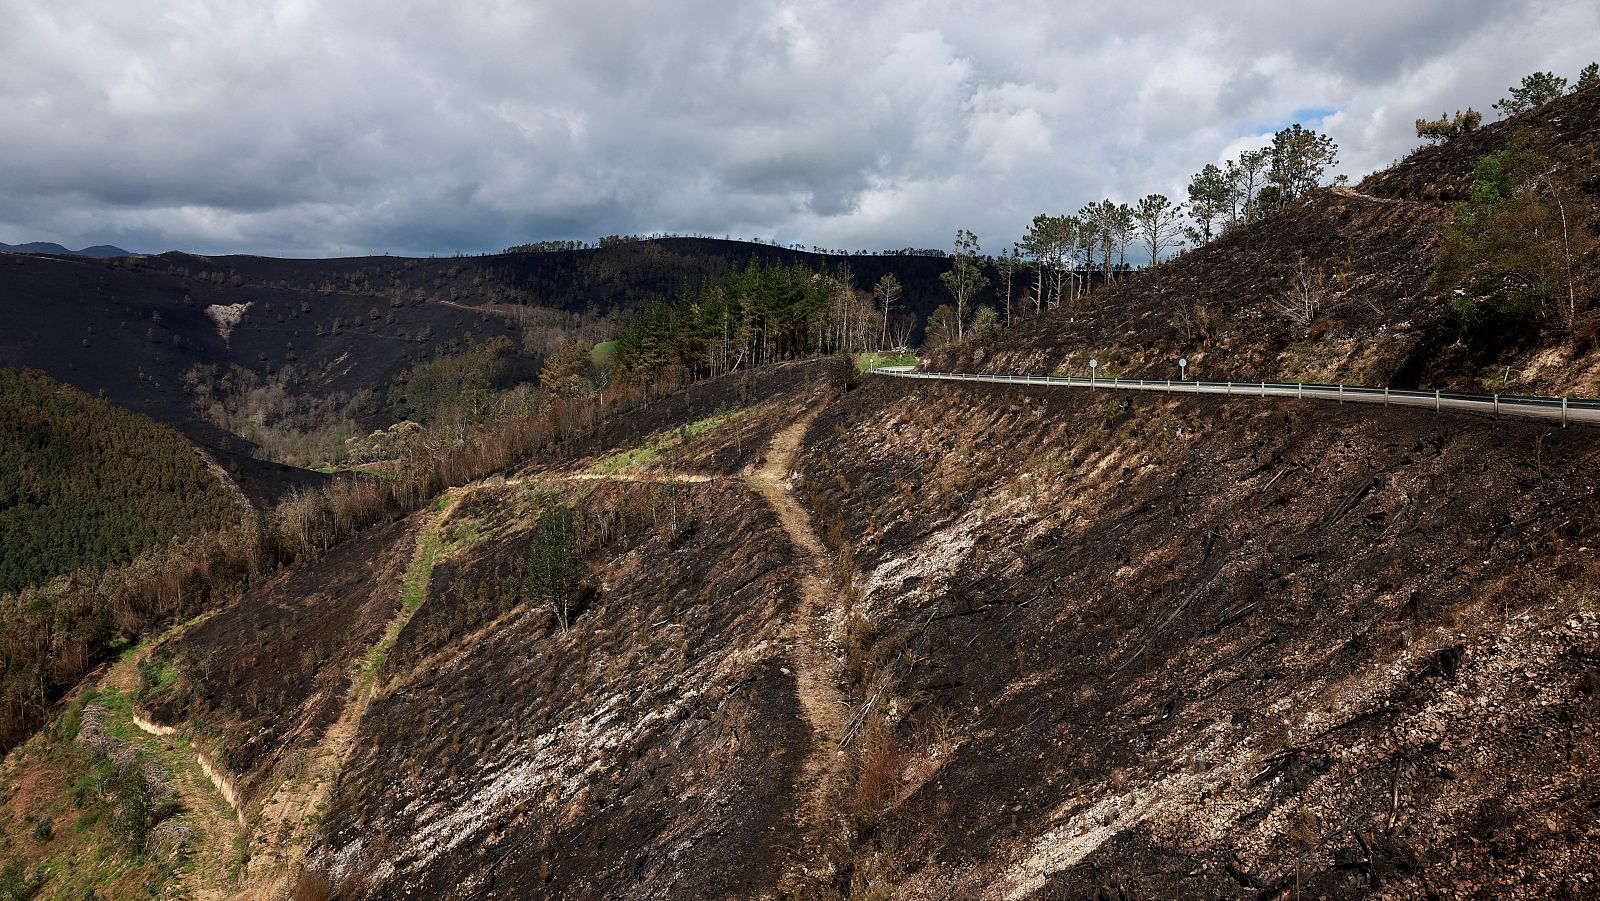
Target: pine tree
1533, 92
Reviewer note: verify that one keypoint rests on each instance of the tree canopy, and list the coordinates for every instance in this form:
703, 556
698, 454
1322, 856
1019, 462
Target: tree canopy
85, 484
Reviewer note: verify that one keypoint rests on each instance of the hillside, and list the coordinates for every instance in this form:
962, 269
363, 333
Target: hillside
1066, 643
1236, 308
85, 484
332, 337
801, 632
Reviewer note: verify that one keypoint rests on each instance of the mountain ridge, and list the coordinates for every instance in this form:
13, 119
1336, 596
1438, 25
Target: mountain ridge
96, 252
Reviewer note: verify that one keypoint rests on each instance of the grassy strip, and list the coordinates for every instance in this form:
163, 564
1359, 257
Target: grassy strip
413, 591
877, 359
660, 443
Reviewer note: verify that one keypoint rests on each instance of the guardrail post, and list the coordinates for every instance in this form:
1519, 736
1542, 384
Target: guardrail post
1300, 390
1563, 411
1341, 392
1497, 406
1229, 389
1436, 400
1386, 395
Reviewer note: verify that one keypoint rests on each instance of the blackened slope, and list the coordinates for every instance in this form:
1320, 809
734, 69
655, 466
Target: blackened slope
1371, 249
84, 484
1444, 172
648, 751
1191, 649
267, 672
615, 278
129, 332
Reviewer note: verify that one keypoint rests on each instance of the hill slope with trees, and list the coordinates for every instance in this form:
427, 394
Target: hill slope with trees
85, 484
1346, 283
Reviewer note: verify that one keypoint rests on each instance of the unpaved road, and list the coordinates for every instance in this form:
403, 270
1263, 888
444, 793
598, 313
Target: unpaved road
810, 633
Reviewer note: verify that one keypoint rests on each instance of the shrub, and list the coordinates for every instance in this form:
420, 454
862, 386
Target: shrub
1509, 250
553, 568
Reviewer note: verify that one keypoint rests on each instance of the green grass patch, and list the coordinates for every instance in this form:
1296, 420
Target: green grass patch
661, 443
413, 591
415, 587
877, 359
463, 533
603, 354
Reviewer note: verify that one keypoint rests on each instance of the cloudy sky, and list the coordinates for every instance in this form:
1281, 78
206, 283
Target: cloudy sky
318, 129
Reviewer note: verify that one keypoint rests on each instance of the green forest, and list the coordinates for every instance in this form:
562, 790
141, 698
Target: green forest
761, 313
85, 484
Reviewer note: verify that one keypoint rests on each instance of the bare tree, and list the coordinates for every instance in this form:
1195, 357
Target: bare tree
964, 278
1006, 266
887, 294
1305, 297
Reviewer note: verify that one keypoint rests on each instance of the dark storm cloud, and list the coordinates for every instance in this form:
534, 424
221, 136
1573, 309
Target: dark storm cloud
299, 128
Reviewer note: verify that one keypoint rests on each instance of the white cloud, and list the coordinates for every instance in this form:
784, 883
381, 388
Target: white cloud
292, 127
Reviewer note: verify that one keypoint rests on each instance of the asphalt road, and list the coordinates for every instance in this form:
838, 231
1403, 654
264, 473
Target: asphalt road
1558, 409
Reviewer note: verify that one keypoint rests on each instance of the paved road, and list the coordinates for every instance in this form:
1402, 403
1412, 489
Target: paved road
1560, 409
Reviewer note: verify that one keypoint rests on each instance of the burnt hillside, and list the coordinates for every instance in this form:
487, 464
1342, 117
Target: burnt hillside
1049, 644
1367, 253
1190, 649
130, 329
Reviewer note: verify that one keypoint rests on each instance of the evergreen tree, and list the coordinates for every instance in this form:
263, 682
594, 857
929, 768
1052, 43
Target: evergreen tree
1588, 77
1533, 92
1156, 218
1444, 128
1209, 196
1298, 159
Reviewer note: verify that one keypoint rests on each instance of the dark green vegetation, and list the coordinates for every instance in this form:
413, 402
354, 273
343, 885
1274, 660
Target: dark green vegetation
761, 314
85, 484
1513, 249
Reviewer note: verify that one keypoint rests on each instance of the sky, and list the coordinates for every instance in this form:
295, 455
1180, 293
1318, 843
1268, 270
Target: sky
328, 129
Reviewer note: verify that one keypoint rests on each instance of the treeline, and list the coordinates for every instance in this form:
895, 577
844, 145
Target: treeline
1061, 258
564, 245
762, 313
55, 633
85, 484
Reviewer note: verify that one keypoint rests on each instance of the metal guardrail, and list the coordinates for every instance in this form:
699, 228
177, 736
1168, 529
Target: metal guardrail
1562, 409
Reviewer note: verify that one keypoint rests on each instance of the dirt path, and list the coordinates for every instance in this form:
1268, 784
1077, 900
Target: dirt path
644, 476
207, 875
287, 824
809, 634
1347, 191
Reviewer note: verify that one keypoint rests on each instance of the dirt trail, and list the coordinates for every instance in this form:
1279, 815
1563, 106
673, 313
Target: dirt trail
208, 875
809, 633
649, 477
288, 818
1346, 191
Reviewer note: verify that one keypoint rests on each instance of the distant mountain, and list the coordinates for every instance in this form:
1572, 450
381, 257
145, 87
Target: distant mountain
98, 252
